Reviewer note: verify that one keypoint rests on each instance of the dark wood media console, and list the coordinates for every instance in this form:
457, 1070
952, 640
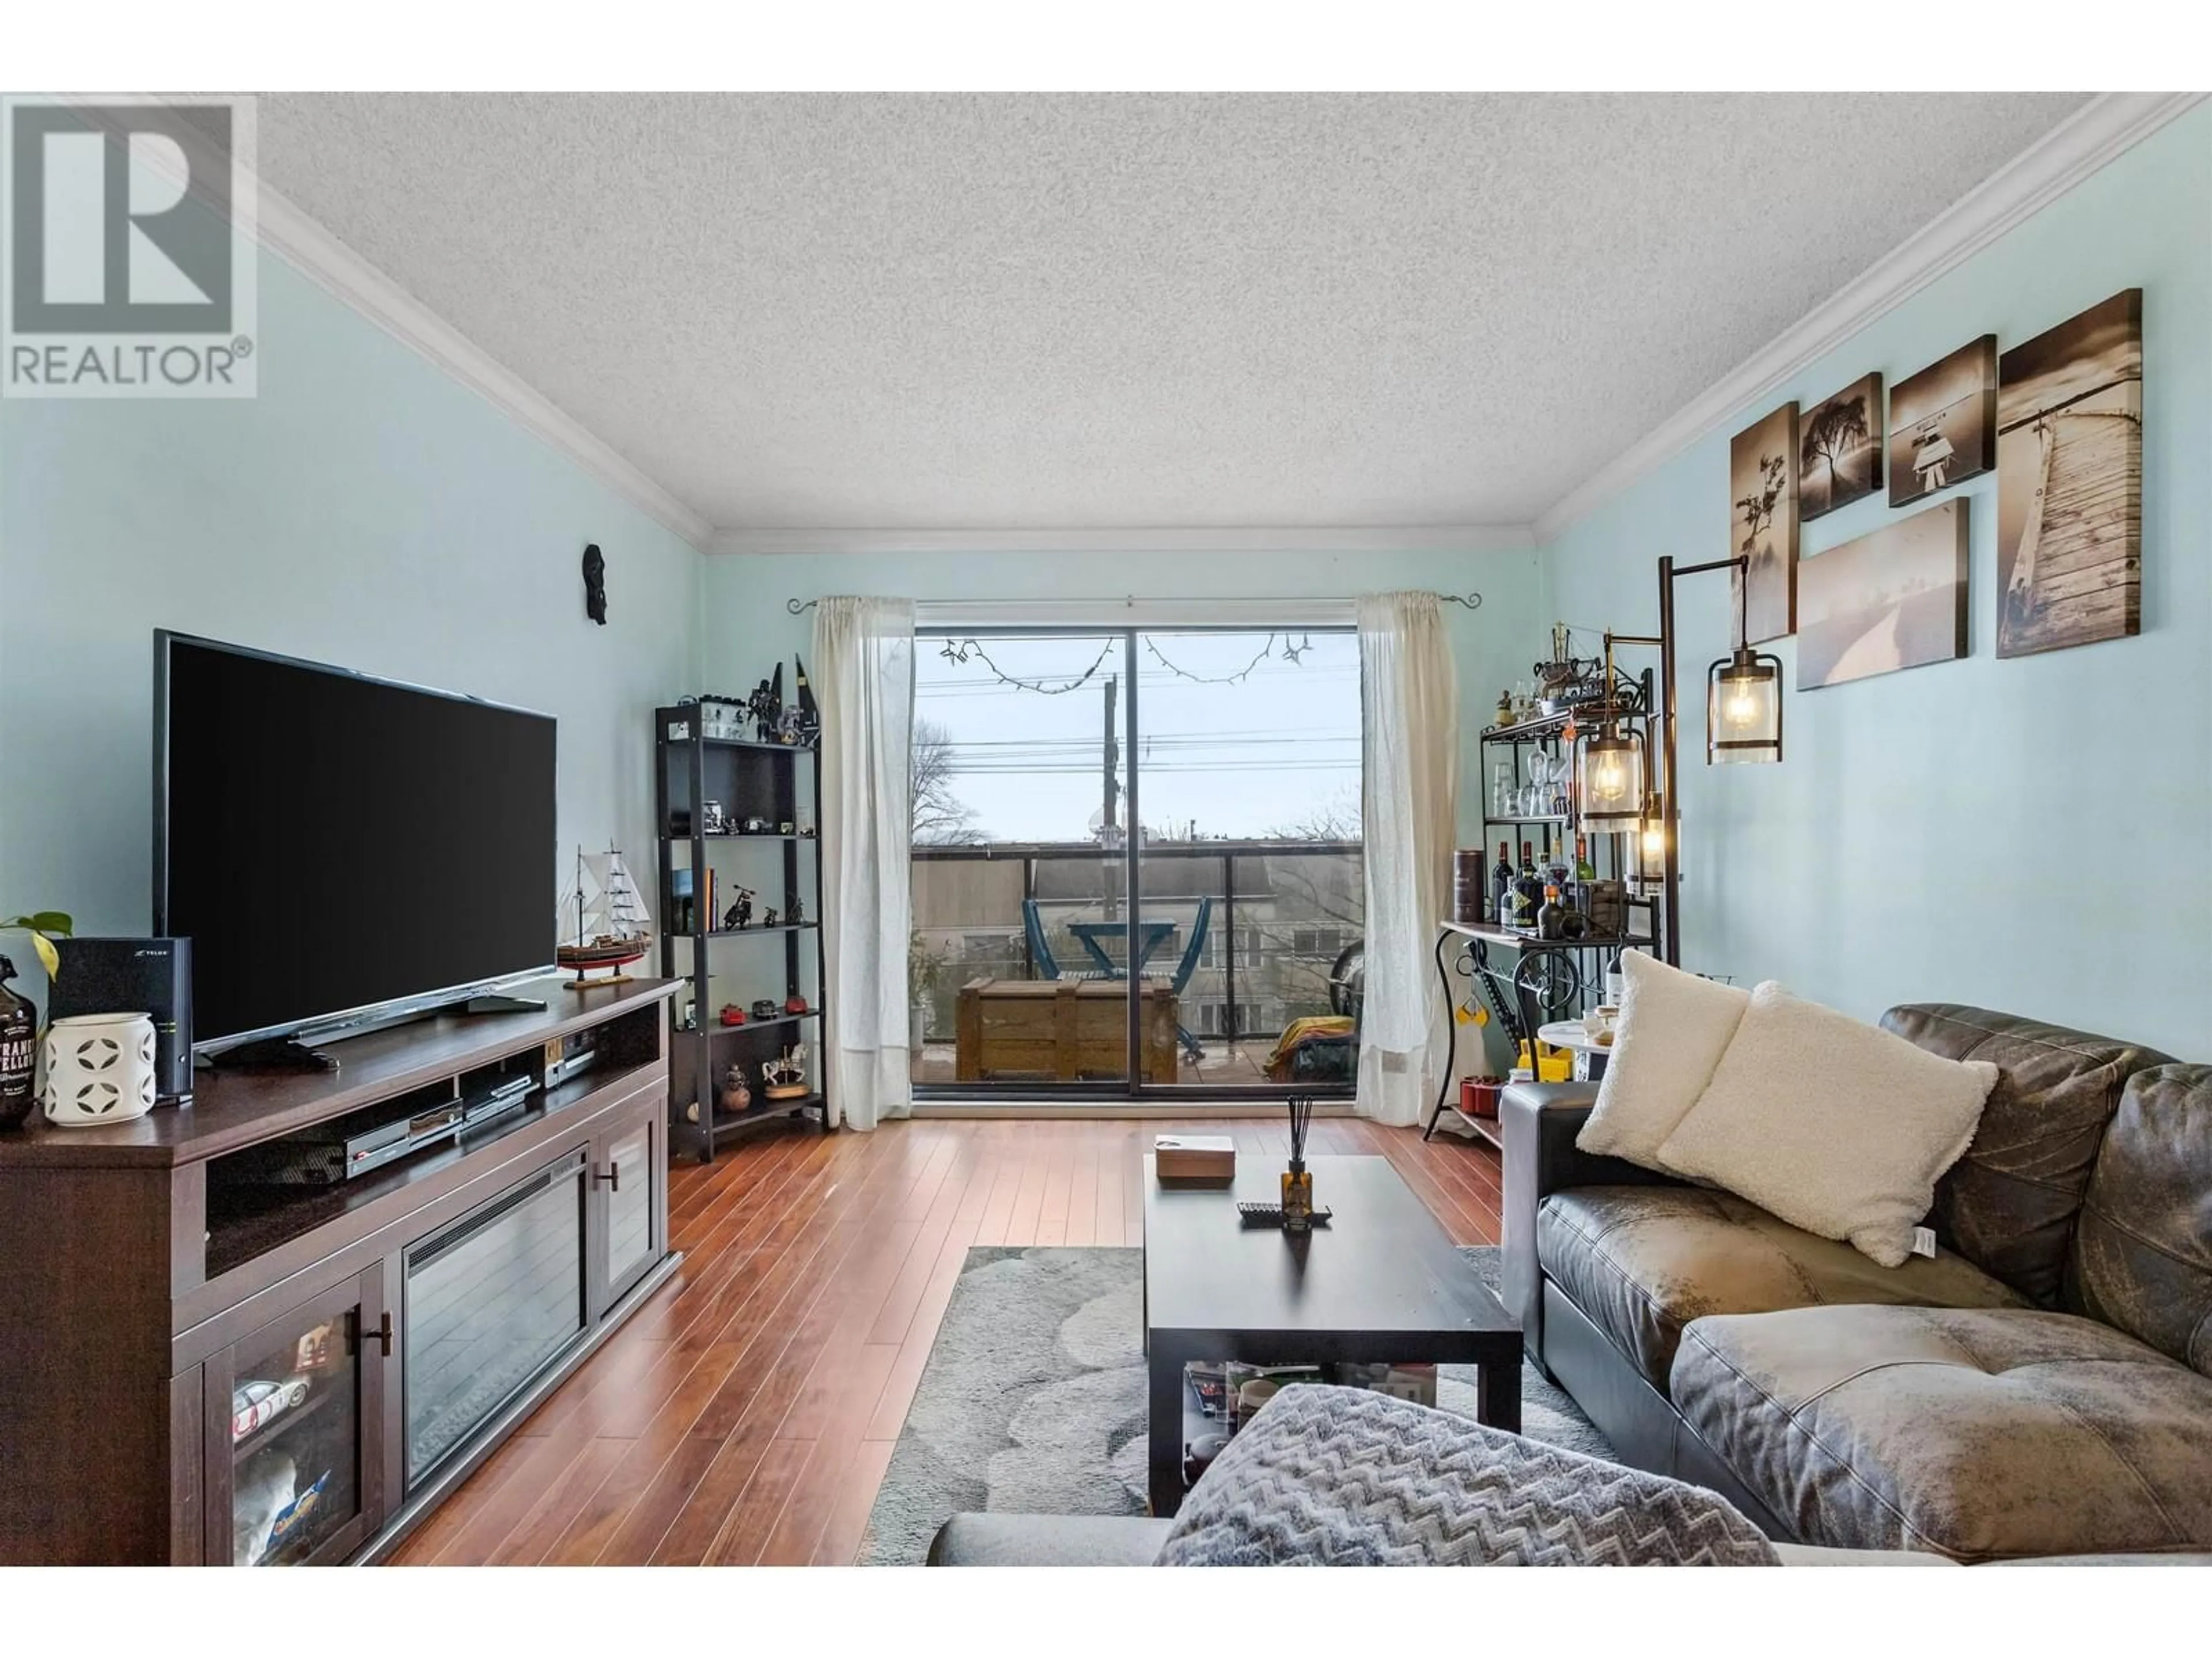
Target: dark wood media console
199, 1364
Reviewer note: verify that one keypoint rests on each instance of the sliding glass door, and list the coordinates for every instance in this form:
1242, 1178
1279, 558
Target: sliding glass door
1021, 877
1136, 846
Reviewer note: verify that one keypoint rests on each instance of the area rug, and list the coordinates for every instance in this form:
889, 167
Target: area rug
1033, 1400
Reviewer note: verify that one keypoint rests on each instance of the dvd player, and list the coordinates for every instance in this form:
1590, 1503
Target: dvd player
347, 1148
325, 1154
496, 1100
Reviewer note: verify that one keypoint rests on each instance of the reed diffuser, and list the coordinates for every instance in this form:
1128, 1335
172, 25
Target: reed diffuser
1298, 1182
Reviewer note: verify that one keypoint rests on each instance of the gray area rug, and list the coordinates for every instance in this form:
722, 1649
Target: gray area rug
1033, 1400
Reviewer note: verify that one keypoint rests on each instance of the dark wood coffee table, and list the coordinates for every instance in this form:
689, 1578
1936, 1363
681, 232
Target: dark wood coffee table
1381, 1283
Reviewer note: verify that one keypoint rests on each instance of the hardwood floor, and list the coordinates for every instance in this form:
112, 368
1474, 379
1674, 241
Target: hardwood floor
748, 1412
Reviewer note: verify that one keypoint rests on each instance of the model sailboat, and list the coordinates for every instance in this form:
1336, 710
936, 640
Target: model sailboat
606, 916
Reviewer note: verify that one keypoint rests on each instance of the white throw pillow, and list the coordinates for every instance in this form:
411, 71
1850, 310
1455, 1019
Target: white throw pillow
1674, 1029
1832, 1125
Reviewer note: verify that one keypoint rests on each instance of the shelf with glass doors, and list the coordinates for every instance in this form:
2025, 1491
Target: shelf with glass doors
743, 925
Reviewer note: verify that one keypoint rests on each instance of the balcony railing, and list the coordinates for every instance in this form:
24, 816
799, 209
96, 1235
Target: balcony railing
1283, 914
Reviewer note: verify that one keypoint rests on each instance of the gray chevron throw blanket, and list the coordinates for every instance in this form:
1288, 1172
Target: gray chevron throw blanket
1342, 1477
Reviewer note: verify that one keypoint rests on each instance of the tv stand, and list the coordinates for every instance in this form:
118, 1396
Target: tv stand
275, 1054
156, 1269
493, 1003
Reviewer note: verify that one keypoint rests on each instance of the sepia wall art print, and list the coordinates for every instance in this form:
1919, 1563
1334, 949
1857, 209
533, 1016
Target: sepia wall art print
2069, 482
1896, 597
1839, 449
1762, 523
1943, 423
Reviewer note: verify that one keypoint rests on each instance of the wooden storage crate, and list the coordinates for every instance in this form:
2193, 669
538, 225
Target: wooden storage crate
1061, 1030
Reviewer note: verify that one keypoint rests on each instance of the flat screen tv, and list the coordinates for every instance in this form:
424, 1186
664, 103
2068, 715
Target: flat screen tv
343, 851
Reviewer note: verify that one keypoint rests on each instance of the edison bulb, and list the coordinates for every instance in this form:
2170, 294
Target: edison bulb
1655, 839
1743, 707
1609, 779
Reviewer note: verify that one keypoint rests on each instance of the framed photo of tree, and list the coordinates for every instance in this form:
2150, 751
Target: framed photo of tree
1762, 523
1839, 449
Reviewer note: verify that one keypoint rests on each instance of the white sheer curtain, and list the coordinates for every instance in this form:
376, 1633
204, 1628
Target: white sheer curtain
864, 666
1409, 692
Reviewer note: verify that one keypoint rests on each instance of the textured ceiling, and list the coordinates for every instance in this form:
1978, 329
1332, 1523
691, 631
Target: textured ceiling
979, 312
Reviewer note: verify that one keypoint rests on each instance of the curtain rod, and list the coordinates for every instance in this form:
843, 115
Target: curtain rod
799, 607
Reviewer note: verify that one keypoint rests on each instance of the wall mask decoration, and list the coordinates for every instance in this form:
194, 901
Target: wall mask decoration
1839, 449
595, 584
1943, 423
1896, 597
2069, 482
1762, 523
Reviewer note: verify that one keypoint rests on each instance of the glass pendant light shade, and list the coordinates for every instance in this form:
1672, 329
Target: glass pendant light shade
1743, 708
1650, 847
1609, 783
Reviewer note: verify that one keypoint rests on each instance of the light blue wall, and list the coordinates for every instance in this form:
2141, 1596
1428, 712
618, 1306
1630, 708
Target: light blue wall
2033, 835
748, 628
365, 510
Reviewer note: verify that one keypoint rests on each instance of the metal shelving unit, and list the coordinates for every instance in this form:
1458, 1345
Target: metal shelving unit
1528, 981
777, 783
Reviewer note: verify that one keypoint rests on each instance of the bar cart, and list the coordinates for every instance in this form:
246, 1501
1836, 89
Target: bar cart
1535, 790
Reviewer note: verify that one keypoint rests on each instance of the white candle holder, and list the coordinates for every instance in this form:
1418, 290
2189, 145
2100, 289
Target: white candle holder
100, 1069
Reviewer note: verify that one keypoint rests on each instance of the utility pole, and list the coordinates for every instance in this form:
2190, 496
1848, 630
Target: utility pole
1113, 790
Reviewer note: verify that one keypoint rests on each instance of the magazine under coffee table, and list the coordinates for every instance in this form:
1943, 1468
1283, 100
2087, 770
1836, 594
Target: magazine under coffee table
1380, 1284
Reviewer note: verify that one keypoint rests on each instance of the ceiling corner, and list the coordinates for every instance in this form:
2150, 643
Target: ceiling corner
2096, 134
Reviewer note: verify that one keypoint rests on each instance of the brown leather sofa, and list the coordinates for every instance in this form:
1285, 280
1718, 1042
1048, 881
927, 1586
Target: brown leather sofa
2040, 1387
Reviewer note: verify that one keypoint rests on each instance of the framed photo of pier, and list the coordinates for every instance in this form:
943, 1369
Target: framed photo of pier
1943, 423
1896, 597
1839, 449
1762, 523
2069, 482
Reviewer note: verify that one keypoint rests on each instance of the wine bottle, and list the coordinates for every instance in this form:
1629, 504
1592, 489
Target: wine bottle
1584, 869
1528, 890
1501, 886
1551, 918
18, 1051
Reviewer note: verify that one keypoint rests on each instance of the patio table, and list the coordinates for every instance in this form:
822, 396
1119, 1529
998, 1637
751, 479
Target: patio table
1094, 936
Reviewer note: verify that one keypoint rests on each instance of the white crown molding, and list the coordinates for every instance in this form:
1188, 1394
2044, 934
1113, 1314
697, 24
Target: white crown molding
1380, 538
2063, 158
286, 229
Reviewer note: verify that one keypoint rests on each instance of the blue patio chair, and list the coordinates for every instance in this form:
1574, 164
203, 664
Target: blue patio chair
1040, 952
1187, 966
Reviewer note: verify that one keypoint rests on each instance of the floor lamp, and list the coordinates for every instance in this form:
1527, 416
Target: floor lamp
1743, 722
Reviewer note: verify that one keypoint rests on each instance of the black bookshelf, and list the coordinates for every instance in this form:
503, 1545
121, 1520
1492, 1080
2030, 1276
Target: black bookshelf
777, 784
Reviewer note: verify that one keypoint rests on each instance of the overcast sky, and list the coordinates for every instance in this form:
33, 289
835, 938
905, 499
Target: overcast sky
1242, 759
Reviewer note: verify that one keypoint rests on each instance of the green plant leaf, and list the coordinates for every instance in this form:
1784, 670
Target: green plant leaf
53, 922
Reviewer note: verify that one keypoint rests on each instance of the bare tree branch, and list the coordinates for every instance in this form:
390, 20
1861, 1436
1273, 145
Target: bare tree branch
941, 818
